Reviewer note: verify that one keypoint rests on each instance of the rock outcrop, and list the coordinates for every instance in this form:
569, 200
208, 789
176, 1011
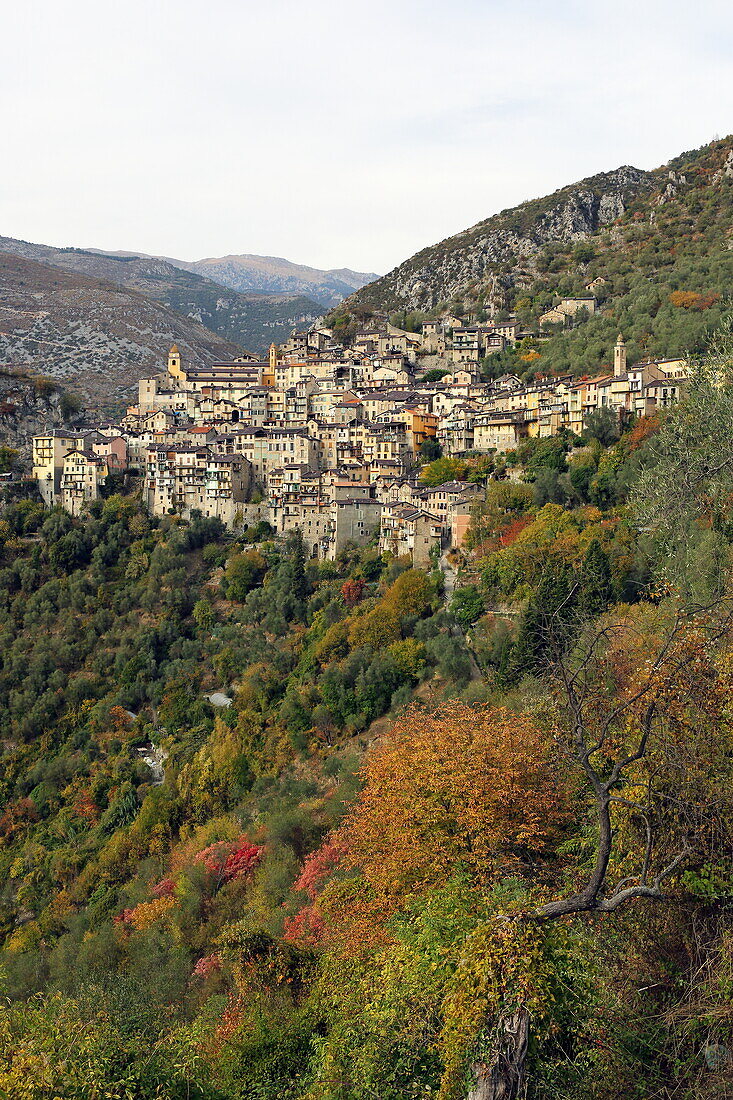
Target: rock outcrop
30, 406
498, 251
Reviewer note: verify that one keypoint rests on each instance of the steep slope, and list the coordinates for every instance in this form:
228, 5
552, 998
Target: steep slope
271, 274
654, 248
497, 247
250, 320
29, 406
662, 273
99, 339
218, 931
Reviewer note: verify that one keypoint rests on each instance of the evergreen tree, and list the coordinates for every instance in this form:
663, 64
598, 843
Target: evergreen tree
595, 582
547, 621
296, 553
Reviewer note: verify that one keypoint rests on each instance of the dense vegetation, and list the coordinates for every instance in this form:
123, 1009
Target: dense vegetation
419, 831
114, 631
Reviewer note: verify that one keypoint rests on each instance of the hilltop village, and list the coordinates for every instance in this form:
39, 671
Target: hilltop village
327, 439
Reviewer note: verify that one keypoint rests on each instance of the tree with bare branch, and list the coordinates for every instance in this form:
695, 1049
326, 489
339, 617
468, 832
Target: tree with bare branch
623, 740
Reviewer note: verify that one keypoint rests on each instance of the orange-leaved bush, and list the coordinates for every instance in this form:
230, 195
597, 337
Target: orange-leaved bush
146, 913
465, 786
353, 590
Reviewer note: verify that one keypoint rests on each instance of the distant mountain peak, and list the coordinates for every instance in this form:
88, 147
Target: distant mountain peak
246, 319
247, 273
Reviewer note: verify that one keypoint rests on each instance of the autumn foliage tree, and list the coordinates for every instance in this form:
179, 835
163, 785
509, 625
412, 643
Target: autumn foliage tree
647, 694
690, 299
471, 786
352, 591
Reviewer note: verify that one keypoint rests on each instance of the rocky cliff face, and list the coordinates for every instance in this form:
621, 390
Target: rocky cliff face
30, 407
498, 251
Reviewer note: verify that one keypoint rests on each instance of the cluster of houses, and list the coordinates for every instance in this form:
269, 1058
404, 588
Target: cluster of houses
327, 439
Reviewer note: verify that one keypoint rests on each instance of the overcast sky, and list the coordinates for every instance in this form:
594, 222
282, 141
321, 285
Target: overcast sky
332, 133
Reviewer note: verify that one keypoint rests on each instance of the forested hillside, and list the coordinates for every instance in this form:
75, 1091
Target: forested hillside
656, 248
476, 847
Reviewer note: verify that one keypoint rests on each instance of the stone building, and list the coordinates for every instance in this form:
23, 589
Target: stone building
82, 477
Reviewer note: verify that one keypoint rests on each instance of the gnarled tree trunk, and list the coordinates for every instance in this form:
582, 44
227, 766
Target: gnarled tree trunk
504, 1077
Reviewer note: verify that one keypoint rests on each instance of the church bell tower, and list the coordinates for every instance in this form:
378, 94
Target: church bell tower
174, 364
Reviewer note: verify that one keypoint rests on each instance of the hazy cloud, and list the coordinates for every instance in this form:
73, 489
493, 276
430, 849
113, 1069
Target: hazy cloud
333, 133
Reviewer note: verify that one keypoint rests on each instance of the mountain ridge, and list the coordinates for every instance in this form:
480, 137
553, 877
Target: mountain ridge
514, 234
250, 320
246, 272
96, 337
655, 249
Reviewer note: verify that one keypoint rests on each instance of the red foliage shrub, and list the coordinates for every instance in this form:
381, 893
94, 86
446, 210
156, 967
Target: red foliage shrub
318, 865
228, 860
352, 591
305, 928
214, 857
209, 964
242, 861
164, 888
510, 533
